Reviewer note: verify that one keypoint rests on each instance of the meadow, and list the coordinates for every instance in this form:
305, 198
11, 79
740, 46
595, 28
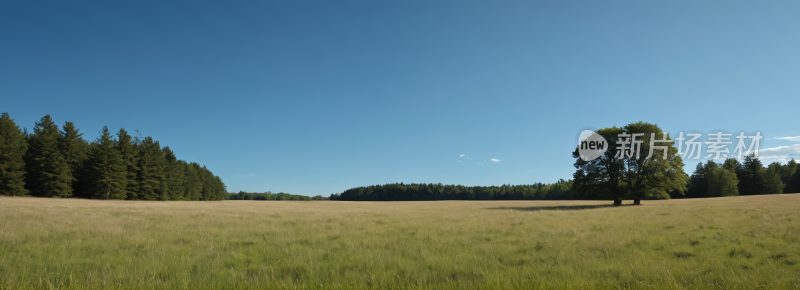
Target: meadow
741, 242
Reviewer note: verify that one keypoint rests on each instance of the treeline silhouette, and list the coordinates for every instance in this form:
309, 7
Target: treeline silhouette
431, 191
241, 195
53, 162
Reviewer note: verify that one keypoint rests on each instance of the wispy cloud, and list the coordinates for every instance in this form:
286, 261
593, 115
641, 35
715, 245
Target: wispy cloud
779, 154
459, 161
794, 139
462, 155
495, 160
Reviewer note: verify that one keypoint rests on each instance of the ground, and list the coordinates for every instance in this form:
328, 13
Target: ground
732, 242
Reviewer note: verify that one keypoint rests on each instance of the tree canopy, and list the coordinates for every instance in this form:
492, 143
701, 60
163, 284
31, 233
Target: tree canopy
648, 167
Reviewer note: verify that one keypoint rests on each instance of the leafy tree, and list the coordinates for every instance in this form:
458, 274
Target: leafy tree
723, 182
772, 179
636, 177
657, 176
600, 178
733, 165
12, 157
129, 153
787, 172
108, 172
48, 172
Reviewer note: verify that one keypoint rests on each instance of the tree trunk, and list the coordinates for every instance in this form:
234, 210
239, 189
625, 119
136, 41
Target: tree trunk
617, 202
637, 202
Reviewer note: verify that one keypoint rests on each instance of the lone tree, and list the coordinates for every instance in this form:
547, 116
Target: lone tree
638, 162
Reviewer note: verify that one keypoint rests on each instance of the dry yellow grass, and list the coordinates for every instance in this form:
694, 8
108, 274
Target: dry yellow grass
732, 242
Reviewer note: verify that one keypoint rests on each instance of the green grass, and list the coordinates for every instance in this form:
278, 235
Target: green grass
732, 242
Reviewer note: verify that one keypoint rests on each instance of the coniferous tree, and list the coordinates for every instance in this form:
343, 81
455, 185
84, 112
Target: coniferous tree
13, 147
174, 174
75, 151
108, 174
698, 182
151, 171
129, 152
208, 184
753, 176
192, 183
48, 172
795, 182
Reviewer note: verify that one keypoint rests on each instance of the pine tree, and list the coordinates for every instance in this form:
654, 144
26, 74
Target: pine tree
13, 147
75, 152
129, 152
48, 172
108, 174
151, 171
192, 183
174, 174
753, 176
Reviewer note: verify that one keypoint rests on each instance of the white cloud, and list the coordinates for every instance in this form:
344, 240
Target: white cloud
780, 154
462, 155
495, 160
459, 161
794, 139
469, 157
480, 163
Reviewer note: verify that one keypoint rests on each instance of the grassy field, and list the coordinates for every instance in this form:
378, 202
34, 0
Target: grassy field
734, 242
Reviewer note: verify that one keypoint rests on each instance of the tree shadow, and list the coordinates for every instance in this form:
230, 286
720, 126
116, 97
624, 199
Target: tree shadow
558, 207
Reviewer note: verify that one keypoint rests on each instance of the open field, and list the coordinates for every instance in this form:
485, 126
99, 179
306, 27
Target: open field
733, 242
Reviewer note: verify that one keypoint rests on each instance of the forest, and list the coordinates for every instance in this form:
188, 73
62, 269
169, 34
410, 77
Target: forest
241, 195
610, 177
710, 179
749, 177
58, 162
422, 191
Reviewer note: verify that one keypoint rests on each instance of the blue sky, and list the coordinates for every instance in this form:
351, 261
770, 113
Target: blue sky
315, 97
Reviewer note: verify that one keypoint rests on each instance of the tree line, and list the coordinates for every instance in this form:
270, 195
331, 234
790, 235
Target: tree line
612, 178
58, 162
748, 177
430, 191
241, 195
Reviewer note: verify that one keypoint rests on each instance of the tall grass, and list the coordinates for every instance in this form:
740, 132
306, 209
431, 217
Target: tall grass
732, 242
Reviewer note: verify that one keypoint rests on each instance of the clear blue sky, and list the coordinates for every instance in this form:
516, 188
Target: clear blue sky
315, 97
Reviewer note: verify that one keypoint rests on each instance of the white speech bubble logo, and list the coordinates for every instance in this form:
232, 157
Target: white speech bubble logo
591, 145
